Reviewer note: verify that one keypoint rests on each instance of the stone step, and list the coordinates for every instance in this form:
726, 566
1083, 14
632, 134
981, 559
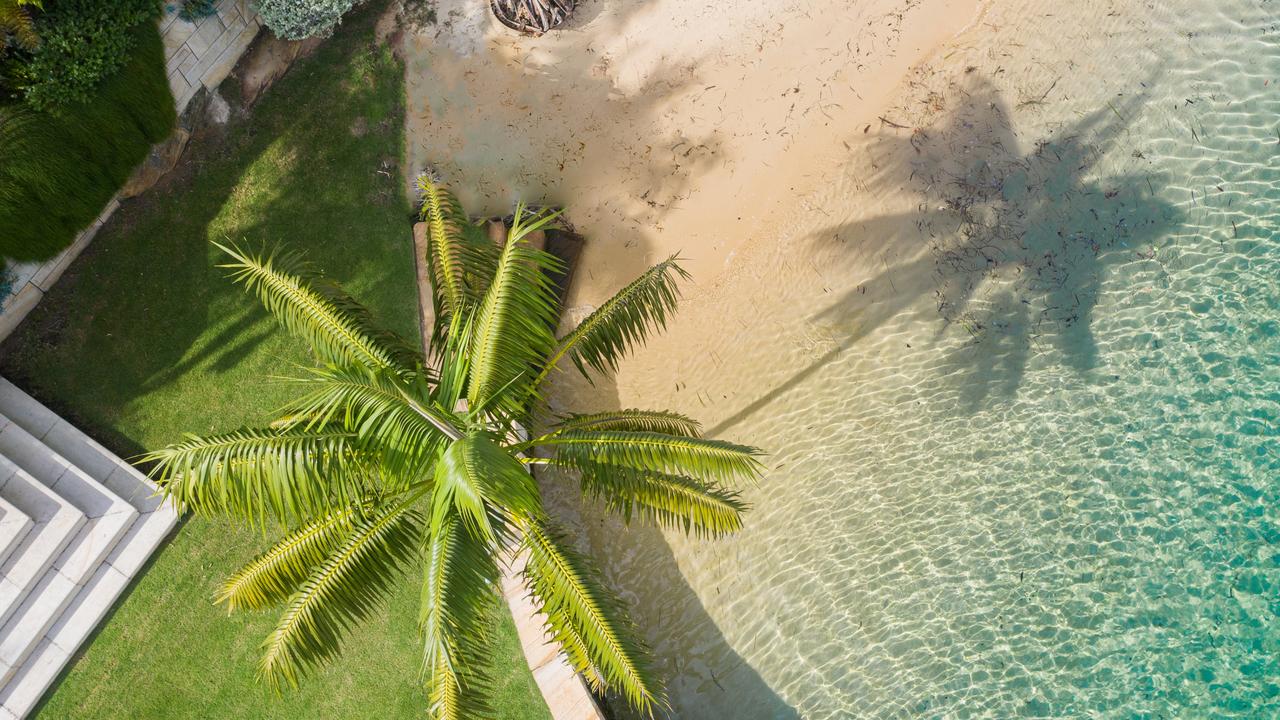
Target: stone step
77, 448
67, 617
14, 526
158, 517
78, 620
109, 515
109, 518
57, 524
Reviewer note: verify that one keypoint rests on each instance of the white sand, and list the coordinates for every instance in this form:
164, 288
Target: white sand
664, 126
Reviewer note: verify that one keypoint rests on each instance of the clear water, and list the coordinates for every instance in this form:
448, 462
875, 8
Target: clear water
1019, 374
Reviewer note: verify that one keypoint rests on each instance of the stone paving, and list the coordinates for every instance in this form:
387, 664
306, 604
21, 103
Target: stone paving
203, 53
77, 523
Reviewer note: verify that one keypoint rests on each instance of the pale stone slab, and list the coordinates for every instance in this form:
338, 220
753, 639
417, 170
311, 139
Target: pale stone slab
25, 629
175, 59
177, 34
16, 308
32, 680
208, 30
87, 608
135, 488
14, 526
52, 270
222, 66
179, 86
188, 65
20, 408
140, 543
94, 544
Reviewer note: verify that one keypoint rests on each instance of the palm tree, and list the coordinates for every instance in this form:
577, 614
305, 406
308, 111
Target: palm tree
17, 26
390, 460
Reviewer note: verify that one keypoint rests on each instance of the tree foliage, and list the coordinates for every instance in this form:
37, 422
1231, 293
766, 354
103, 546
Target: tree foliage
301, 19
59, 168
81, 43
392, 461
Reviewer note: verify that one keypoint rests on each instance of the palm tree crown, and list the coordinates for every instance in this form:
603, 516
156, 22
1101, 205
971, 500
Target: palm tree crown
392, 460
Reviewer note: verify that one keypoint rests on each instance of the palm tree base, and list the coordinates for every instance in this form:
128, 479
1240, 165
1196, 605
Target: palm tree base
532, 17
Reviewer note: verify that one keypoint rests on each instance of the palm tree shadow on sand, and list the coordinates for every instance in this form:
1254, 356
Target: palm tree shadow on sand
1012, 246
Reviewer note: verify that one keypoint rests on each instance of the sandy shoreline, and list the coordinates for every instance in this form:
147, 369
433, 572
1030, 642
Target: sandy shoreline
937, 324
663, 127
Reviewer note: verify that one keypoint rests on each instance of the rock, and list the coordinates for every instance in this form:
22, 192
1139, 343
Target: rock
426, 305
218, 112
267, 62
163, 158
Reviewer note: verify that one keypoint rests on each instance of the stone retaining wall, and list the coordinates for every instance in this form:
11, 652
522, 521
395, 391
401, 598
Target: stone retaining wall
197, 54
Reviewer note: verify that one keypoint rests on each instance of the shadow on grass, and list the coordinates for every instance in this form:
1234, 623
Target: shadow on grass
145, 339
145, 317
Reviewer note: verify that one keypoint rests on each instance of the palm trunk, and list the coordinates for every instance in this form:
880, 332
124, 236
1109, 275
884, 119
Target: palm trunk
531, 16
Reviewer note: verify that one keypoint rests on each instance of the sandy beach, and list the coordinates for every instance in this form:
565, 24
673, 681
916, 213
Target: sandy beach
662, 127
934, 246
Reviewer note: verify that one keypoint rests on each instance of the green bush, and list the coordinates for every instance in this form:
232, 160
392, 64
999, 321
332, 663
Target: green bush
59, 168
81, 42
299, 19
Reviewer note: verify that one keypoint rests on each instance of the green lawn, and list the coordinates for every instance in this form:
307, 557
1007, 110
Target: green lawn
144, 339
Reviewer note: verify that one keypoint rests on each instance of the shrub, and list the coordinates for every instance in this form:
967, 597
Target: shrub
299, 19
81, 42
193, 10
59, 168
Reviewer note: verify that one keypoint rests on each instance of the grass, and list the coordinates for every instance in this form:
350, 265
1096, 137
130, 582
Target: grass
58, 169
144, 339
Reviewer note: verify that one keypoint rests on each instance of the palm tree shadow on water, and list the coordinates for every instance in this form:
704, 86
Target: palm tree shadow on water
1013, 247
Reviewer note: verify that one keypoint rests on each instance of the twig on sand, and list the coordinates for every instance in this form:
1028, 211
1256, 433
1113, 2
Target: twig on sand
892, 124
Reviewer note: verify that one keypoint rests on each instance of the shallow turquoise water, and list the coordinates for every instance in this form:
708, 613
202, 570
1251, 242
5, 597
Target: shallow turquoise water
1022, 419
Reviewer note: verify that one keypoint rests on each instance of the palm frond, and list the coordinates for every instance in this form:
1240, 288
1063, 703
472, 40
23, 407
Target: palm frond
702, 458
274, 575
343, 591
513, 323
396, 418
483, 483
289, 475
622, 322
337, 328
457, 608
582, 614
460, 259
18, 23
669, 423
667, 500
